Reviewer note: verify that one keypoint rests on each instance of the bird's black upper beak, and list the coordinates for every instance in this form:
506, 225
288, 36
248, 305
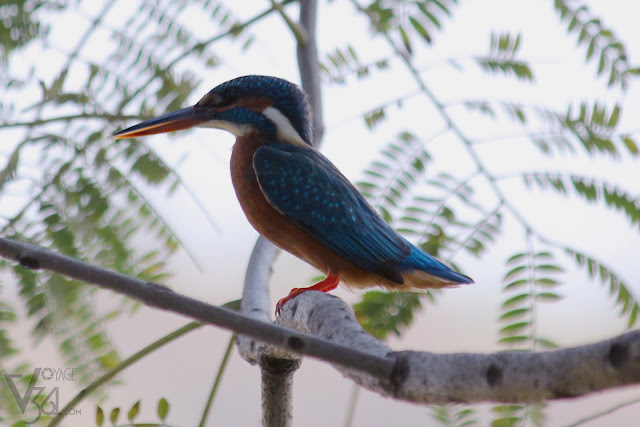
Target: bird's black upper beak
170, 122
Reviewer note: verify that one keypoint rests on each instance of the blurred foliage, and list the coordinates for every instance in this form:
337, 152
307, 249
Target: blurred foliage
514, 415
381, 313
19, 24
114, 417
618, 290
344, 61
602, 44
70, 186
502, 57
405, 20
431, 217
401, 165
531, 279
454, 415
591, 190
79, 192
441, 212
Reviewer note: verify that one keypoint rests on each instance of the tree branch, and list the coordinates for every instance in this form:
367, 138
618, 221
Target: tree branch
235, 29
278, 367
88, 116
277, 390
309, 66
298, 32
450, 122
159, 296
431, 378
255, 294
420, 377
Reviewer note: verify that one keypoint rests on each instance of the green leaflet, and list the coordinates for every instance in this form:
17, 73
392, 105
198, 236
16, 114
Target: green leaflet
617, 287
502, 57
590, 190
601, 44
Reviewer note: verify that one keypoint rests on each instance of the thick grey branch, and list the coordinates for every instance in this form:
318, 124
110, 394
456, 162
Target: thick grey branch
408, 375
431, 378
154, 295
277, 390
255, 300
277, 383
255, 295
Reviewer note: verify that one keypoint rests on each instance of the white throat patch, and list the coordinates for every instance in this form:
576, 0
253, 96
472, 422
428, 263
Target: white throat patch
284, 127
237, 130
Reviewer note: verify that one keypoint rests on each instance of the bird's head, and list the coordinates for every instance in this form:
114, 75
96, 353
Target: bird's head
269, 105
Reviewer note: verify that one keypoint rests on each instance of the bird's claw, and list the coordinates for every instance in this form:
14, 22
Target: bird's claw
284, 300
279, 306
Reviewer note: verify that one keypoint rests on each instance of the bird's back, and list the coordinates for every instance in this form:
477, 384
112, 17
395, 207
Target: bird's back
298, 199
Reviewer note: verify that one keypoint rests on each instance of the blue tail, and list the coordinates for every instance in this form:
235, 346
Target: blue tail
421, 260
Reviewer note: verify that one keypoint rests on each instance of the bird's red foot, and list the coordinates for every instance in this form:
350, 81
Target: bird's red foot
328, 284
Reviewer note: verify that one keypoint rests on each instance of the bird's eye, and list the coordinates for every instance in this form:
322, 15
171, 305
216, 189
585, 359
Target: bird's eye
230, 96
210, 100
223, 98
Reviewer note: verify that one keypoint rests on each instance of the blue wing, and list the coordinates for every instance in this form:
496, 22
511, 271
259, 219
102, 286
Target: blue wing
310, 191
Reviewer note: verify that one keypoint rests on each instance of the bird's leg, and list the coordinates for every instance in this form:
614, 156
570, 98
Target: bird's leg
328, 284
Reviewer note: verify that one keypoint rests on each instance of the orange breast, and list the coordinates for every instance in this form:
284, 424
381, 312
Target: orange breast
281, 231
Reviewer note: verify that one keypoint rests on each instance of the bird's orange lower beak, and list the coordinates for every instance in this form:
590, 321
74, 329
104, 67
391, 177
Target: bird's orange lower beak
177, 120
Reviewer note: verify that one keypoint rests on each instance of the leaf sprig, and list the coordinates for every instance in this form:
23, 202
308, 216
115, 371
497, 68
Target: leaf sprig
600, 42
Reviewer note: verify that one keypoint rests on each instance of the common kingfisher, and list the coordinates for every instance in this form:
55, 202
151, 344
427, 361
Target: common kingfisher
295, 197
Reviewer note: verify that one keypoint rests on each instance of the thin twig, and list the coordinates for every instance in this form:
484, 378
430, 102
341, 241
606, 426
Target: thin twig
69, 117
455, 129
108, 376
605, 412
298, 32
235, 29
351, 408
217, 381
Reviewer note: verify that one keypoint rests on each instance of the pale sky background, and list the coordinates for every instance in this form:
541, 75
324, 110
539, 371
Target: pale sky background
464, 319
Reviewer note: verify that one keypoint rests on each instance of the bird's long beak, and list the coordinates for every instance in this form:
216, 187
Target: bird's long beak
170, 122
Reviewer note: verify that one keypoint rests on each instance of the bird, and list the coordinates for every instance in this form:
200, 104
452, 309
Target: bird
295, 197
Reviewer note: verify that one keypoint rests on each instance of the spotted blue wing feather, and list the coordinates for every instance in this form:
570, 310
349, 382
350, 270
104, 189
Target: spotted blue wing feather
309, 190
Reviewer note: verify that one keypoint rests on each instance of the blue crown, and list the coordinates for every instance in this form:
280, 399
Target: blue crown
287, 97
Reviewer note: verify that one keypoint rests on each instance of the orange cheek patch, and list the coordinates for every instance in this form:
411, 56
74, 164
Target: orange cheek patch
255, 104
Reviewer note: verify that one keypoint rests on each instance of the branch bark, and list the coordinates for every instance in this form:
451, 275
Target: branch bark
309, 66
278, 367
255, 294
287, 341
420, 377
430, 378
414, 376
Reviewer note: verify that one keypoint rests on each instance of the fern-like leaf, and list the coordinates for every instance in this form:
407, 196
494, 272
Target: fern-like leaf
422, 18
531, 279
381, 313
622, 295
590, 190
454, 415
601, 43
502, 57
391, 178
